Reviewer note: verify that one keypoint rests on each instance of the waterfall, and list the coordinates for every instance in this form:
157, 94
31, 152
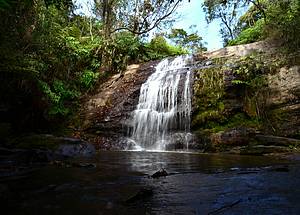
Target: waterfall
164, 106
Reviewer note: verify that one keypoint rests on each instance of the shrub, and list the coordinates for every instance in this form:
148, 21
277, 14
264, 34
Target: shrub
249, 35
158, 48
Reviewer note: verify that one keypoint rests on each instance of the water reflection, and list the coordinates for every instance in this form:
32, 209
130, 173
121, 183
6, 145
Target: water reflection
197, 184
190, 162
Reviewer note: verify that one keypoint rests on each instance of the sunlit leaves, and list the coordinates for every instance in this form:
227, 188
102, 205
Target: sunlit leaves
191, 42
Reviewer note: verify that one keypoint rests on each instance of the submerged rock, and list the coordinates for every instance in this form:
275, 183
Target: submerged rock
80, 149
85, 165
160, 173
58, 146
141, 195
67, 164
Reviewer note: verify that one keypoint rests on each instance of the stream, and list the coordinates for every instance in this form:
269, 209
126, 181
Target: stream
121, 183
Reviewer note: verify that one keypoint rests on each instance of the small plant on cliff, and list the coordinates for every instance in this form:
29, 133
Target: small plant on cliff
251, 74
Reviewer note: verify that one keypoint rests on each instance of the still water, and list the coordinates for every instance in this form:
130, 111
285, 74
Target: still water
196, 184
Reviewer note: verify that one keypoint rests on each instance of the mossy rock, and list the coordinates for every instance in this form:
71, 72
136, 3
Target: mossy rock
278, 141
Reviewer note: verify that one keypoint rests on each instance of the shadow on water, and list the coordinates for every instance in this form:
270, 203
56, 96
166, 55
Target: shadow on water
120, 183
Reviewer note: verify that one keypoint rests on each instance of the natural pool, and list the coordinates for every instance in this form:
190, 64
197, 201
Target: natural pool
121, 183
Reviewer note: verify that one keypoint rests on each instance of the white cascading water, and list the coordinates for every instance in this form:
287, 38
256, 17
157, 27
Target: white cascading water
164, 105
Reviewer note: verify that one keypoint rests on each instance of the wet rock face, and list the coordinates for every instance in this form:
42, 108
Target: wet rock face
225, 110
285, 86
105, 115
284, 101
184, 141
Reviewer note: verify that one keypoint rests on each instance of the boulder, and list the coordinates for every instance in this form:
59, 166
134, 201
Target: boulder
277, 141
79, 149
233, 137
45, 146
160, 173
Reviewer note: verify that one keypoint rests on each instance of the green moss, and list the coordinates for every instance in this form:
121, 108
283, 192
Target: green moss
219, 61
213, 111
238, 120
206, 116
209, 92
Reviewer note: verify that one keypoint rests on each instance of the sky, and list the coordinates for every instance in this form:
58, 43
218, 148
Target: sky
190, 13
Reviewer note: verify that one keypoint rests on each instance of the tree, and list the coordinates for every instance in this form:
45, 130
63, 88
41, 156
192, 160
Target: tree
227, 12
106, 11
136, 16
259, 5
66, 4
191, 42
283, 22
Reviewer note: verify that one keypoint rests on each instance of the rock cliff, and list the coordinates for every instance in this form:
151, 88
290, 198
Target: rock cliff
103, 116
245, 97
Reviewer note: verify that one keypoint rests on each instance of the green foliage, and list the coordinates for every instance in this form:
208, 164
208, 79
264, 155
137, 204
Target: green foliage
88, 78
226, 12
66, 4
252, 75
281, 22
209, 91
158, 48
120, 50
213, 101
284, 22
68, 58
275, 19
50, 57
192, 42
249, 35
251, 71
58, 95
237, 120
4, 4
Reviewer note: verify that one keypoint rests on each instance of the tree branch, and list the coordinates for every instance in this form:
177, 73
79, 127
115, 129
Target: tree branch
155, 24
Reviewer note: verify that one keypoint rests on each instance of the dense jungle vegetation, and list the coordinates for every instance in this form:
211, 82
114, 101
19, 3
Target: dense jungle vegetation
52, 57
